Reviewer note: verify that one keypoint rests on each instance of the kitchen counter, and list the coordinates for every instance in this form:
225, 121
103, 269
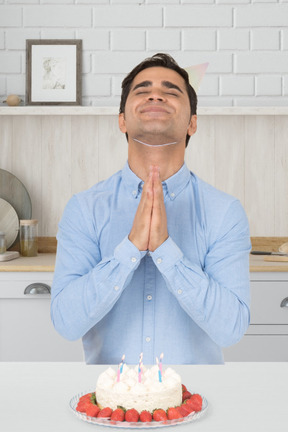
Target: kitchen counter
241, 396
45, 262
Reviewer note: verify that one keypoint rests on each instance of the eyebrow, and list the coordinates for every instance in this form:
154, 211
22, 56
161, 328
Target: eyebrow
167, 84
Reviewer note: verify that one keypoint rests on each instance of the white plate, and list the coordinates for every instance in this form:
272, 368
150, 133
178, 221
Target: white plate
135, 425
9, 222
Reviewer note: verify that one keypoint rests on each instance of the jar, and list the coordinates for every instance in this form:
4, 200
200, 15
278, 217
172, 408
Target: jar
29, 237
2, 242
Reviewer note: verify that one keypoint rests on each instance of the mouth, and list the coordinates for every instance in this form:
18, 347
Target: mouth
154, 109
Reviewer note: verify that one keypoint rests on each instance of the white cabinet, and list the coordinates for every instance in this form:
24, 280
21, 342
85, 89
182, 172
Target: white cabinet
26, 330
267, 336
27, 333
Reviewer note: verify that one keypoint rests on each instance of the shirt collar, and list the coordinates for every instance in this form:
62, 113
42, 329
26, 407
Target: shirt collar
171, 186
176, 183
133, 183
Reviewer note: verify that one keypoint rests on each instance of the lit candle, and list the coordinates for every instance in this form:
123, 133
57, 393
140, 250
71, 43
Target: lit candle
140, 368
160, 364
122, 363
159, 370
118, 373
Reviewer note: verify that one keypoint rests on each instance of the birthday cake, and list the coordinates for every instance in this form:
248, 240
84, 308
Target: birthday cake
145, 391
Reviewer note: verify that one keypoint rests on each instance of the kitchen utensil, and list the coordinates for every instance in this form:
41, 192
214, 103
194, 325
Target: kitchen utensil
284, 248
8, 256
268, 253
13, 191
9, 222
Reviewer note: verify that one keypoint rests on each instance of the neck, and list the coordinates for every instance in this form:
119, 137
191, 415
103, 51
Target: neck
169, 158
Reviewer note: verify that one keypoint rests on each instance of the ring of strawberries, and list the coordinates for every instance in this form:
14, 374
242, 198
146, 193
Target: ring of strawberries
190, 403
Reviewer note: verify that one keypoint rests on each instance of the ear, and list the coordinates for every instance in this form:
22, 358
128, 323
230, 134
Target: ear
122, 123
192, 127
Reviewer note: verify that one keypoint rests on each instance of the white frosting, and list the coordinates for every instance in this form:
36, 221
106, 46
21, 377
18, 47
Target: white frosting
148, 394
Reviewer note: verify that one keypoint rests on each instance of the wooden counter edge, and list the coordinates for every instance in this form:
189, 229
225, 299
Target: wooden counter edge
27, 268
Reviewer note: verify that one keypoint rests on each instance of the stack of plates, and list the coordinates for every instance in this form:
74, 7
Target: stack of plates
15, 204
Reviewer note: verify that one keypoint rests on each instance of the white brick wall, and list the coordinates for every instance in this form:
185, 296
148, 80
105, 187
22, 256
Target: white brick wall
244, 41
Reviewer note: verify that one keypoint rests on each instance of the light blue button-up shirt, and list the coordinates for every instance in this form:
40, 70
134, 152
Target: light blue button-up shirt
187, 299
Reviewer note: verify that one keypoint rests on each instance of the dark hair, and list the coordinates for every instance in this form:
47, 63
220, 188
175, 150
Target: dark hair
160, 60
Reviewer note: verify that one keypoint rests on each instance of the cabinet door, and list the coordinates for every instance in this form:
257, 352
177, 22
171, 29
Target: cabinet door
266, 298
259, 348
27, 333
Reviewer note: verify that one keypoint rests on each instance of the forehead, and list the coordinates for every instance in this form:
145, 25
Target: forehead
157, 75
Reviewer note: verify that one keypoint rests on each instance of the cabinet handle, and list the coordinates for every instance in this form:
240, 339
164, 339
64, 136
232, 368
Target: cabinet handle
37, 288
284, 302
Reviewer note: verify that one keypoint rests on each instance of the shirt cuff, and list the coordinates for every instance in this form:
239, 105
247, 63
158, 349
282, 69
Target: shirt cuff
166, 255
128, 254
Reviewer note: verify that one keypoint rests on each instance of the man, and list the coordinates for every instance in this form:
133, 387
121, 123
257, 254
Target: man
153, 259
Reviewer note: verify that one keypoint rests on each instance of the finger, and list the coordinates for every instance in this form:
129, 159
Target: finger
158, 230
139, 234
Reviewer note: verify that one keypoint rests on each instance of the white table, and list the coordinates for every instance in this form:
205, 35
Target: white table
241, 396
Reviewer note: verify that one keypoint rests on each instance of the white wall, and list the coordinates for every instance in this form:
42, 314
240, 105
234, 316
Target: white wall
245, 42
56, 156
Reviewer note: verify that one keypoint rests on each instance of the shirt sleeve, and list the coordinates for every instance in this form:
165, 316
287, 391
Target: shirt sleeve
215, 295
85, 285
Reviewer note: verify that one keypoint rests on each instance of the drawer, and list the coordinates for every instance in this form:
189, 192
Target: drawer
16, 288
266, 298
27, 333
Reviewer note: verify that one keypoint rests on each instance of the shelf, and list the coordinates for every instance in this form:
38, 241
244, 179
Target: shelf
103, 111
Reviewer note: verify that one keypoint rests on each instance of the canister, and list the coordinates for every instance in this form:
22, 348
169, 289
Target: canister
28, 237
2, 242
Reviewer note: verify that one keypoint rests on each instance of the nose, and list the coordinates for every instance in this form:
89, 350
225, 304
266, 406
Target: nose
156, 95
156, 98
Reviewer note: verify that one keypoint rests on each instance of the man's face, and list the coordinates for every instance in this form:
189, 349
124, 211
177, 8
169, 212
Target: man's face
157, 109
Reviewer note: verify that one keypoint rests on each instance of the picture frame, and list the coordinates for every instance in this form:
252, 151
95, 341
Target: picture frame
53, 71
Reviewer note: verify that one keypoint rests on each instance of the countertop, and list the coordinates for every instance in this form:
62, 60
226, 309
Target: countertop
45, 262
241, 396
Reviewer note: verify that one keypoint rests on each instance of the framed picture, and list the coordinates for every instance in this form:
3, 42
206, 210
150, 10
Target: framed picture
53, 72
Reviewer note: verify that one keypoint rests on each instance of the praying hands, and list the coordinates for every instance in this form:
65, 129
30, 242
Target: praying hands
149, 228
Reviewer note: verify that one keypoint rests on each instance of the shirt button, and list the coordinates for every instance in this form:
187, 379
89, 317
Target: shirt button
149, 297
179, 291
116, 287
133, 259
172, 195
159, 260
134, 192
148, 339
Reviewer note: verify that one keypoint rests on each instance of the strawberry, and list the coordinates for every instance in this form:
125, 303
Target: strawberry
182, 410
184, 388
186, 395
145, 416
118, 415
195, 401
87, 396
189, 408
105, 412
92, 410
132, 415
173, 413
81, 406
159, 415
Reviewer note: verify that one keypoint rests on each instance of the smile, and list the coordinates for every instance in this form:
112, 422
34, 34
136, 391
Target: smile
154, 109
